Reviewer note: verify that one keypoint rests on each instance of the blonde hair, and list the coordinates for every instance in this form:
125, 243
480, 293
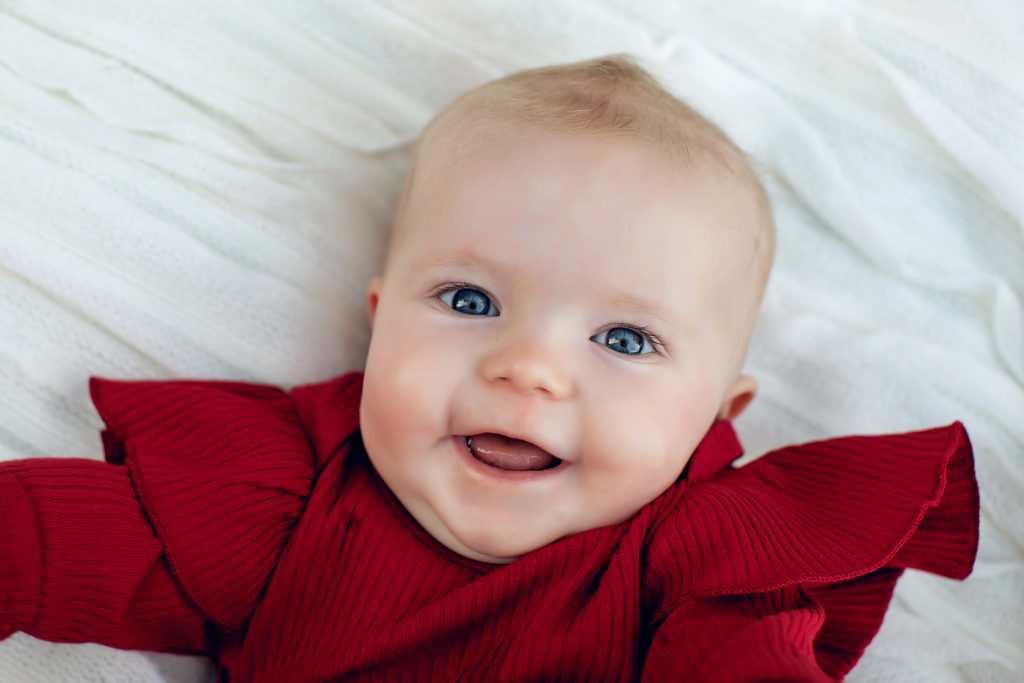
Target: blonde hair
608, 96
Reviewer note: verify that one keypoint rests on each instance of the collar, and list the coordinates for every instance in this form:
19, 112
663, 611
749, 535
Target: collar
718, 449
329, 412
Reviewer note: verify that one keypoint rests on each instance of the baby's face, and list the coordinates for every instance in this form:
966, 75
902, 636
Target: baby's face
555, 331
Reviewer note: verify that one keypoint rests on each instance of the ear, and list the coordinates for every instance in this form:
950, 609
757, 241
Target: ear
373, 297
738, 398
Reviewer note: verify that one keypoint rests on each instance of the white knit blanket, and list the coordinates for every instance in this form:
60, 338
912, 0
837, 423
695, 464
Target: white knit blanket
202, 189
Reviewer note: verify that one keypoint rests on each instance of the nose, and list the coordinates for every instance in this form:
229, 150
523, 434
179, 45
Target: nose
528, 366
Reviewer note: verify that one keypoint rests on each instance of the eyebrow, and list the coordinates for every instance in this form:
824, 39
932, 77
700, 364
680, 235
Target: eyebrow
648, 309
461, 260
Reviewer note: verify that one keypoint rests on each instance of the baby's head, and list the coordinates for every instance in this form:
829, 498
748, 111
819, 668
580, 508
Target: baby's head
576, 264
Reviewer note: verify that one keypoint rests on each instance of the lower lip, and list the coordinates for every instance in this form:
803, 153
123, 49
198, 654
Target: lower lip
482, 469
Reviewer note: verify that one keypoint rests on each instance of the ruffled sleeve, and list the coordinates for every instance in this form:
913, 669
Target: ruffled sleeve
222, 471
805, 544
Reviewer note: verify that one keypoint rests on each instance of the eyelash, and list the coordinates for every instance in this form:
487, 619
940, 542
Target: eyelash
642, 330
440, 291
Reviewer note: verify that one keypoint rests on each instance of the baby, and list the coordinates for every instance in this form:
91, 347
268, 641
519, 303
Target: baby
575, 269
531, 480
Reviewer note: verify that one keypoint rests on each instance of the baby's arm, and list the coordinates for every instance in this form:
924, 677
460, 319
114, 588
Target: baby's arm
795, 556
79, 561
171, 543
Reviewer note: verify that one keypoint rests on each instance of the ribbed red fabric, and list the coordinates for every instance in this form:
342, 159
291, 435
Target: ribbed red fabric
247, 523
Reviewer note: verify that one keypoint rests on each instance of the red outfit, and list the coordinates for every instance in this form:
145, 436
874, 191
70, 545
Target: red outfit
245, 522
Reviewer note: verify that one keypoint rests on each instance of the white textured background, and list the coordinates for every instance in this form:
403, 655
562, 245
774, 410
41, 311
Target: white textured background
204, 190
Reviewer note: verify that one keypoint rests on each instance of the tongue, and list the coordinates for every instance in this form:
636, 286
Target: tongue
509, 454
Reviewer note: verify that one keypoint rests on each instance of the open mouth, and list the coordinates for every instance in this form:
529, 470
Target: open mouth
509, 454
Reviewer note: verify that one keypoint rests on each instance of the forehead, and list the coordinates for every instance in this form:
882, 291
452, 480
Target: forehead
592, 196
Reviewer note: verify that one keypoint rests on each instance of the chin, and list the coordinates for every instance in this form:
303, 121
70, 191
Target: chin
493, 553
486, 548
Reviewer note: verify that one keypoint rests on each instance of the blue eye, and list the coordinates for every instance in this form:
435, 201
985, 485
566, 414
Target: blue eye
469, 301
624, 340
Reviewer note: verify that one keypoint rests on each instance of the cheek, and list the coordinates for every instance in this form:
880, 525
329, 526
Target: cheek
399, 343
408, 380
645, 437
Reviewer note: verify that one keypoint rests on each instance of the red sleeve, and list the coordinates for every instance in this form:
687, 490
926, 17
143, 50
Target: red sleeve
81, 562
831, 524
170, 544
